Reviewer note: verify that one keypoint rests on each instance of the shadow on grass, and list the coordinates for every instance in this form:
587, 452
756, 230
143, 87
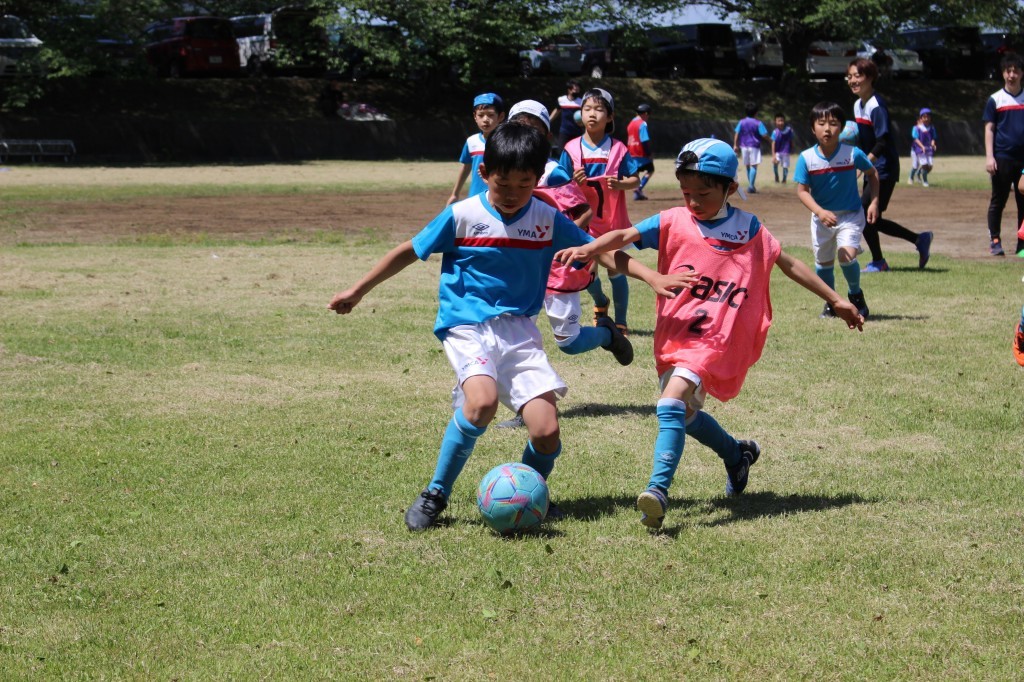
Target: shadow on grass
875, 317
604, 410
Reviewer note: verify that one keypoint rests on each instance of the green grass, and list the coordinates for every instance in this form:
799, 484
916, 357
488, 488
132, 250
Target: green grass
203, 472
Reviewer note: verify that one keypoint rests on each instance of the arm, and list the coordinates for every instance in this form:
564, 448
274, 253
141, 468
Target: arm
609, 241
663, 285
552, 115
871, 215
459, 181
797, 271
627, 183
584, 217
393, 262
990, 139
736, 142
803, 192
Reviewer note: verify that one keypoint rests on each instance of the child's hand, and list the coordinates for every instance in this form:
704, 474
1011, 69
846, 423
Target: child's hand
615, 183
574, 254
579, 176
829, 218
344, 302
871, 215
671, 285
452, 198
848, 312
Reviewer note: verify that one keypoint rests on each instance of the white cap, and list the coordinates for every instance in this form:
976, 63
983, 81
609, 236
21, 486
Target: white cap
532, 107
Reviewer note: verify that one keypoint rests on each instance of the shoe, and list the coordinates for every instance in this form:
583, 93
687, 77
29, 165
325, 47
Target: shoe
639, 196
652, 503
423, 513
554, 512
737, 481
996, 248
751, 190
910, 181
1020, 254
862, 305
827, 312
924, 184
599, 312
1018, 346
923, 246
515, 422
877, 266
620, 346
622, 328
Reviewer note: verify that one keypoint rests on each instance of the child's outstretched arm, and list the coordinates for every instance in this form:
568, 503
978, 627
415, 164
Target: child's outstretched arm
393, 262
609, 241
663, 285
459, 181
797, 271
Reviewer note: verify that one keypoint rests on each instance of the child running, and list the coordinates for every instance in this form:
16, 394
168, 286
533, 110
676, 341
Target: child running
638, 141
826, 183
747, 143
603, 167
707, 338
782, 147
922, 147
496, 250
488, 112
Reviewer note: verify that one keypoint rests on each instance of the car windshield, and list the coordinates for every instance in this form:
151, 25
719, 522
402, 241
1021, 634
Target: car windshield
13, 28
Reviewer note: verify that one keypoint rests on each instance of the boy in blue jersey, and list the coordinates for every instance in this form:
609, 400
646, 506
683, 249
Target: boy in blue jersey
826, 183
488, 113
496, 251
747, 143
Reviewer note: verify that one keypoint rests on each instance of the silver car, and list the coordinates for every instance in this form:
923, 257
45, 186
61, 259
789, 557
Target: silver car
17, 45
896, 62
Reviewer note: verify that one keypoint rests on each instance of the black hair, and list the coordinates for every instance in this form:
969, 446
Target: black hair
516, 147
750, 109
709, 179
781, 115
866, 68
823, 110
498, 106
572, 83
1011, 59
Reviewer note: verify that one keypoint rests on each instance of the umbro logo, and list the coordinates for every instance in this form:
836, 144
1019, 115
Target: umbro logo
480, 228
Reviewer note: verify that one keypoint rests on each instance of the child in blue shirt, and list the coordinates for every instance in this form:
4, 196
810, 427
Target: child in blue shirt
747, 143
782, 147
826, 183
488, 113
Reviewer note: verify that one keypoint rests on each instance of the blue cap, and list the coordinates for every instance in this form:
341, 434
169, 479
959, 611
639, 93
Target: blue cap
487, 98
924, 111
713, 156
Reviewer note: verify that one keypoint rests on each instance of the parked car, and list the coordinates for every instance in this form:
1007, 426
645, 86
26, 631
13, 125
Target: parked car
995, 44
287, 40
188, 46
830, 58
692, 51
759, 53
19, 49
565, 54
947, 52
895, 62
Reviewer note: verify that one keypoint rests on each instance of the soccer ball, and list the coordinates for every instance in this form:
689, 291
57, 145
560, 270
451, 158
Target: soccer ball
512, 497
849, 133
578, 118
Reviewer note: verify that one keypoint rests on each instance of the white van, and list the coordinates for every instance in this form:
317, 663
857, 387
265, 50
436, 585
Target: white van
287, 40
17, 45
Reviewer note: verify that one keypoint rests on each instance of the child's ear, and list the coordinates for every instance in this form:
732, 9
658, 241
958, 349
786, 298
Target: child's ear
481, 170
733, 186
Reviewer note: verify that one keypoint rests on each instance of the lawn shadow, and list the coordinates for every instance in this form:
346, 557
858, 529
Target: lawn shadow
875, 317
592, 508
603, 410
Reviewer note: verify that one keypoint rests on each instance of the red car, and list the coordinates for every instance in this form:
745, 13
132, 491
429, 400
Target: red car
188, 46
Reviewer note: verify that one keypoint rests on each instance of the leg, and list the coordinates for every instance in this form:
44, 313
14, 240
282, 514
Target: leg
620, 296
1001, 184
600, 300
883, 225
871, 236
541, 418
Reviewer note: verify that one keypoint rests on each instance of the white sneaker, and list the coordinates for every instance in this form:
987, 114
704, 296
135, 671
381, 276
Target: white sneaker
924, 184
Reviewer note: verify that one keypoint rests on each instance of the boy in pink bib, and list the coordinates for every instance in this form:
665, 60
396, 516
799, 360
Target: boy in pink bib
708, 337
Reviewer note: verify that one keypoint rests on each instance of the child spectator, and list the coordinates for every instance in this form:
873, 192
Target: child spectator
922, 147
826, 183
496, 250
747, 143
605, 170
1004, 148
568, 105
782, 146
707, 338
638, 141
488, 112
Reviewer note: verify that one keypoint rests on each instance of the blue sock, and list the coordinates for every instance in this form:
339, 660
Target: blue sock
620, 295
827, 275
643, 182
1022, 319
542, 463
589, 338
594, 289
775, 169
785, 174
913, 172
751, 175
924, 175
456, 447
709, 432
851, 271
668, 447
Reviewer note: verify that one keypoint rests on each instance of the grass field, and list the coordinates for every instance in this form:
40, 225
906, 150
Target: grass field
203, 472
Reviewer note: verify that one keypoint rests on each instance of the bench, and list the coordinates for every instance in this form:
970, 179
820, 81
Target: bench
36, 149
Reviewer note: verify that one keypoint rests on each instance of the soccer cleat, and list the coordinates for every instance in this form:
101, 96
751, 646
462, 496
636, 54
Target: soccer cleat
751, 190
515, 422
924, 183
639, 196
652, 503
923, 246
737, 475
622, 328
599, 312
876, 266
862, 305
620, 346
996, 247
827, 312
423, 513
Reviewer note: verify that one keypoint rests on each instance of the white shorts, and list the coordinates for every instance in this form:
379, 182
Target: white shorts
782, 158
913, 157
925, 158
564, 311
508, 349
751, 155
847, 232
694, 399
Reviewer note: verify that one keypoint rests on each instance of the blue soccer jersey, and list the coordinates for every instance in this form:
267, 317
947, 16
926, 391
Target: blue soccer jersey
1006, 112
833, 180
493, 266
473, 154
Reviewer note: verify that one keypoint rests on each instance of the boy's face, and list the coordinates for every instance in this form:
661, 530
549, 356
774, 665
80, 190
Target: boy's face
703, 201
509, 191
595, 117
826, 131
780, 122
1011, 77
926, 119
857, 81
487, 118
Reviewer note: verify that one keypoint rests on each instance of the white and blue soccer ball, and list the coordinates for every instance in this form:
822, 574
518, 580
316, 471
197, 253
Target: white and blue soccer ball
849, 133
512, 498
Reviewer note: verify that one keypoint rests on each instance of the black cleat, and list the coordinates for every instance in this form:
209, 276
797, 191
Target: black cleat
423, 513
